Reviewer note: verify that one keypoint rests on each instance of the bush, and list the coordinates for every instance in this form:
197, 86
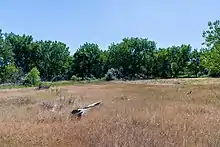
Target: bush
139, 77
92, 77
200, 74
74, 78
112, 74
11, 74
33, 77
213, 73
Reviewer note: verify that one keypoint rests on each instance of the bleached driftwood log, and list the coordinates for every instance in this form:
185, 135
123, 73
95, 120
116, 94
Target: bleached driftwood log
82, 111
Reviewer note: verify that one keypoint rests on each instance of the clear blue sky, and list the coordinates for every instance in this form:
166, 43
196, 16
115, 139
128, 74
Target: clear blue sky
168, 22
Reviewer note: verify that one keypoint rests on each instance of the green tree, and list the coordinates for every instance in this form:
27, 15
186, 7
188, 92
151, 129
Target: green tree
163, 63
104, 64
133, 56
6, 56
211, 60
24, 51
53, 59
11, 73
71, 68
194, 65
184, 57
212, 34
172, 61
175, 69
211, 55
119, 58
87, 60
179, 55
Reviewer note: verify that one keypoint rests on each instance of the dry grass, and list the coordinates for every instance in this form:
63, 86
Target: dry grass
131, 115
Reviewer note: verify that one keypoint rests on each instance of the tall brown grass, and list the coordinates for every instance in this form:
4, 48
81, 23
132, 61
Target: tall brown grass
131, 115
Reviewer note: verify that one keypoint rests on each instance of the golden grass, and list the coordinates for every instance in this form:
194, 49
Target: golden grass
131, 115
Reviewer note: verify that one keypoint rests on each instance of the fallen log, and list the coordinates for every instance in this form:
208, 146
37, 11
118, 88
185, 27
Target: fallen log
82, 111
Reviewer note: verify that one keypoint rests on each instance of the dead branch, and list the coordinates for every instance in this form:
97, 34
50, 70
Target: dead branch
82, 111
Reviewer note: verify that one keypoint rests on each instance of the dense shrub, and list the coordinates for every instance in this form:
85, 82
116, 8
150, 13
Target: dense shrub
75, 78
11, 74
33, 77
112, 74
92, 77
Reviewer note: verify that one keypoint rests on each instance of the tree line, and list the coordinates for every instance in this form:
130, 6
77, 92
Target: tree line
23, 60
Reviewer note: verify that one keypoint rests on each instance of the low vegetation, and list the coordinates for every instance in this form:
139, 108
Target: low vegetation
174, 113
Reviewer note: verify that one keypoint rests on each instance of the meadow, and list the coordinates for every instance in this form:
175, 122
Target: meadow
153, 113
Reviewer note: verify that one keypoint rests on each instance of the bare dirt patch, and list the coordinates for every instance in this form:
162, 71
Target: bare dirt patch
140, 114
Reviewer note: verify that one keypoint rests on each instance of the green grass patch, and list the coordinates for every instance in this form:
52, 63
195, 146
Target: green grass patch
66, 83
58, 83
12, 86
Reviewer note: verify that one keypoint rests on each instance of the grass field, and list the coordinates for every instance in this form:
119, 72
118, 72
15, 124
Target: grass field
153, 113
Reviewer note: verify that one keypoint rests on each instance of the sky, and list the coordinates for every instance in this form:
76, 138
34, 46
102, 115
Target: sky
74, 22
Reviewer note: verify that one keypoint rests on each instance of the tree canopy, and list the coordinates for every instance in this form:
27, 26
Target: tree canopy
131, 58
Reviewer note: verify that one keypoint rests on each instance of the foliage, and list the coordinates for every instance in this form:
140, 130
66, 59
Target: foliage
194, 65
113, 74
212, 34
24, 50
75, 78
175, 69
6, 57
211, 55
53, 59
33, 77
131, 58
11, 73
133, 55
87, 61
